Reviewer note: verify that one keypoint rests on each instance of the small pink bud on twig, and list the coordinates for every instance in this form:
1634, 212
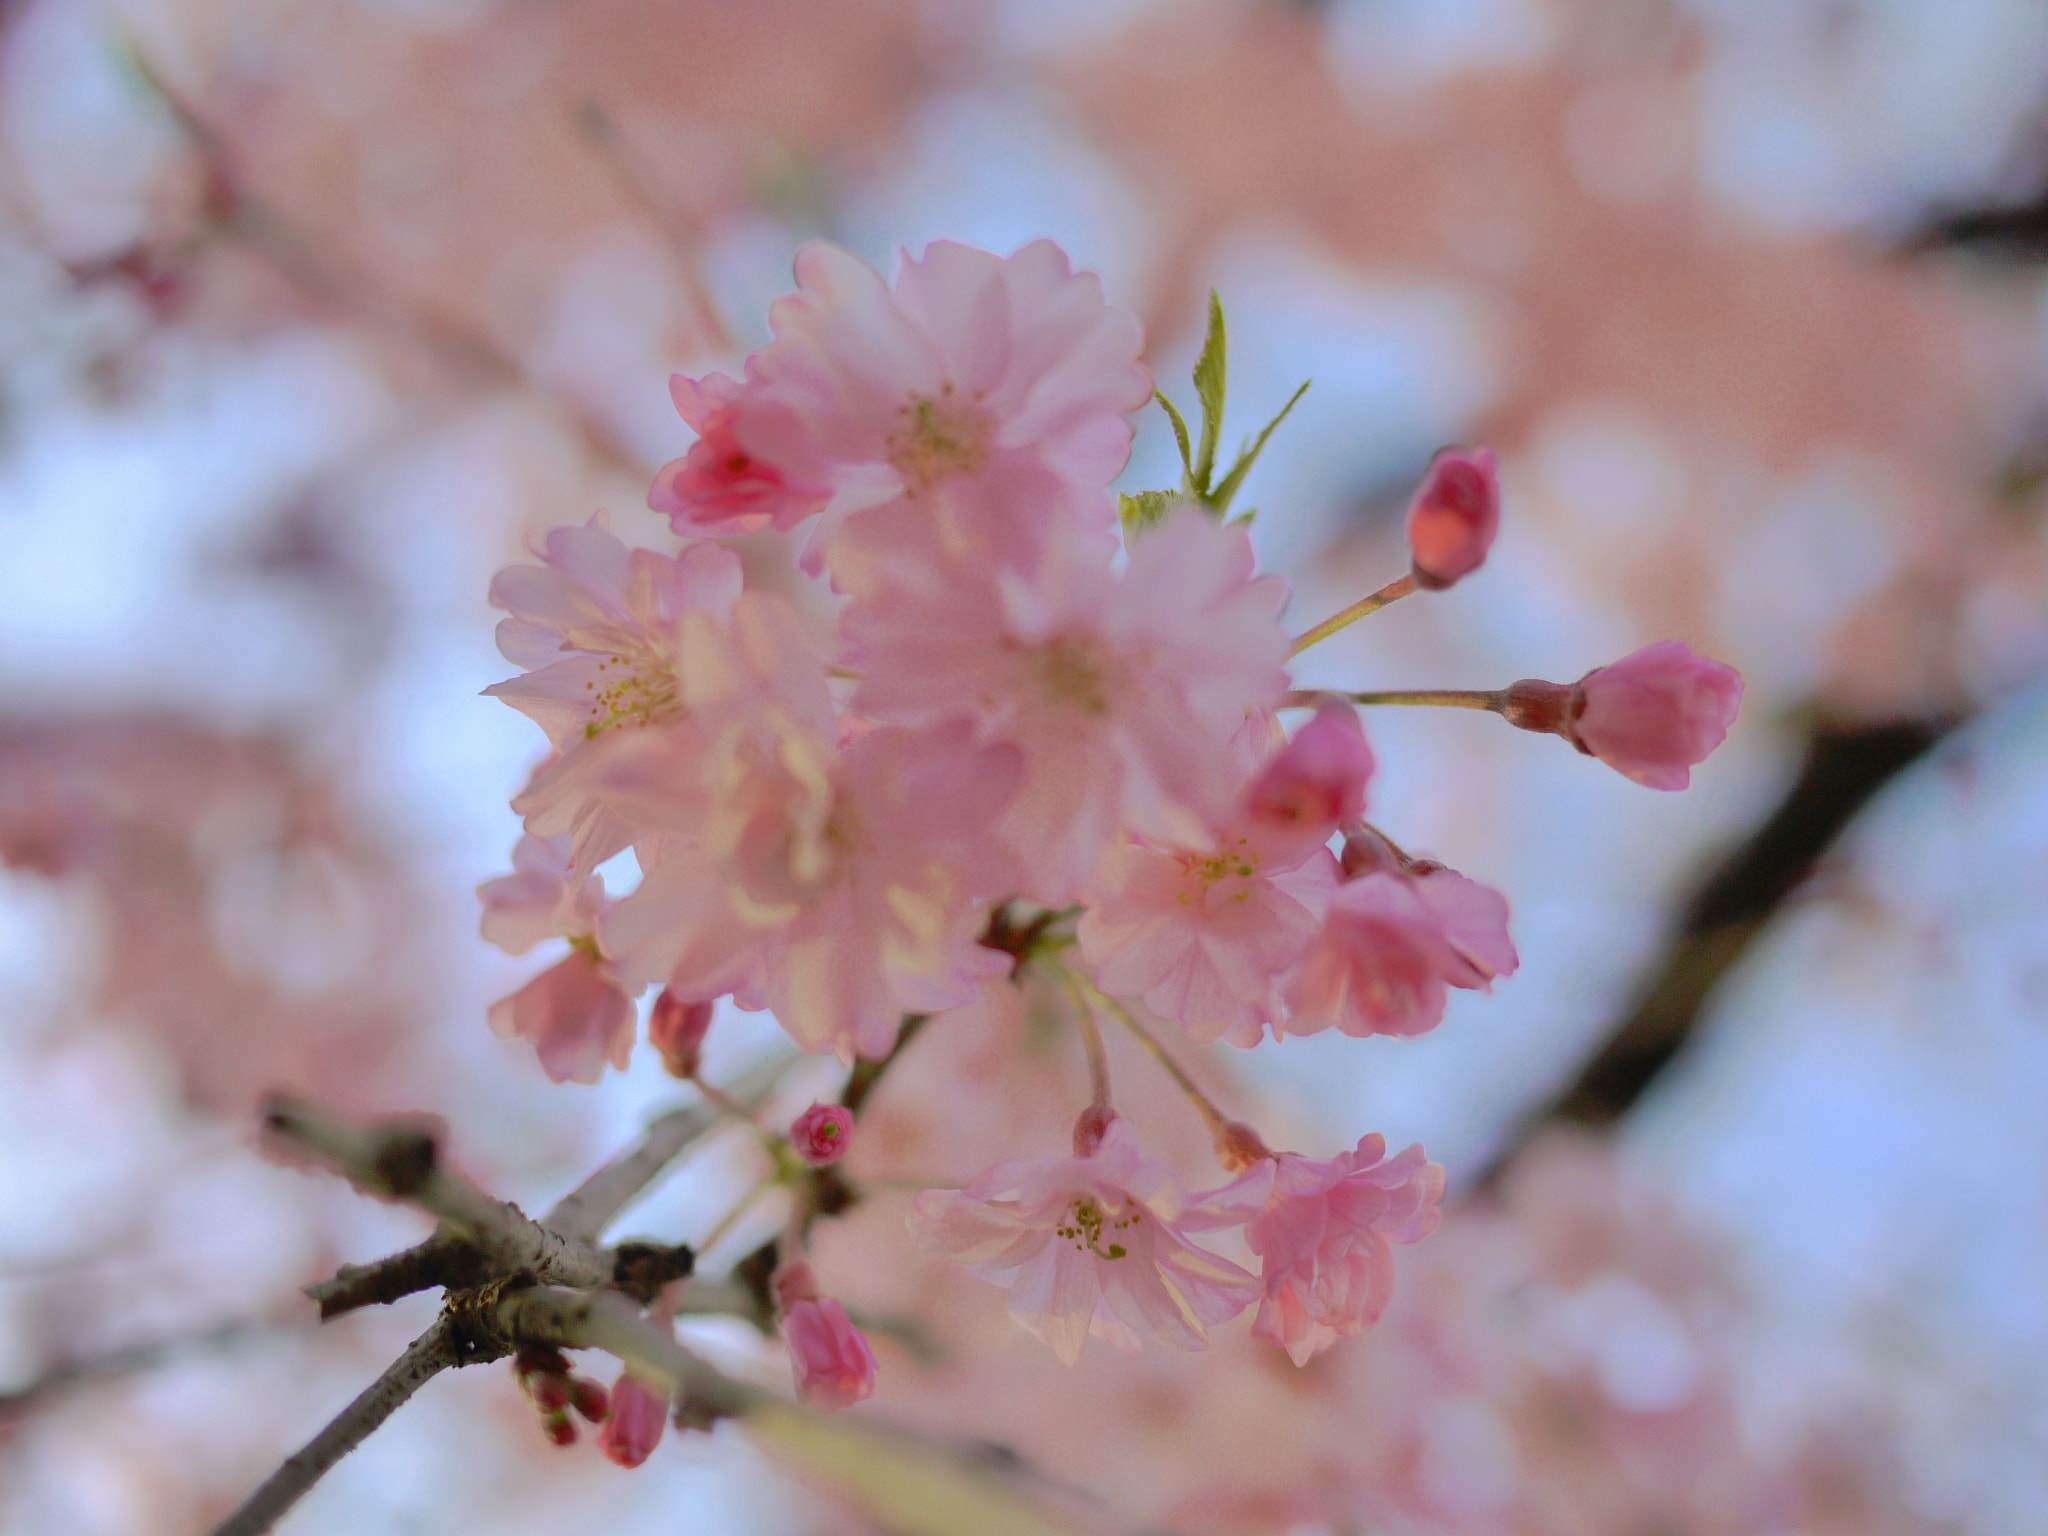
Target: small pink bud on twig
1089, 1129
822, 1134
1651, 716
677, 1030
639, 1416
830, 1357
1318, 780
1454, 516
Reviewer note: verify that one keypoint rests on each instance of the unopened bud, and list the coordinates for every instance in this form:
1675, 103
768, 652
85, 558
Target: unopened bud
1651, 716
589, 1398
1317, 780
1454, 516
1090, 1128
639, 1416
677, 1029
822, 1134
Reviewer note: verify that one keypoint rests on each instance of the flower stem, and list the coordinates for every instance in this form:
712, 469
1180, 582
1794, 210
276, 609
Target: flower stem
1218, 1122
1091, 1038
1449, 698
1372, 602
732, 1217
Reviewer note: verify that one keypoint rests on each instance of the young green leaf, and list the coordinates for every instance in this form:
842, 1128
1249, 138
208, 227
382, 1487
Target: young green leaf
1180, 432
1210, 369
1220, 497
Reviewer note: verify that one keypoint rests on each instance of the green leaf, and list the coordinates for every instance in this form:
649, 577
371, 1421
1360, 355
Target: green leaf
1141, 509
1220, 497
1180, 432
1243, 519
1210, 369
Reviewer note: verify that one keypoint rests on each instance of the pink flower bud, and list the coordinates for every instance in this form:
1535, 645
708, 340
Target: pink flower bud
589, 1398
677, 1030
1319, 778
1090, 1127
834, 1366
822, 1134
1651, 716
639, 1415
1454, 516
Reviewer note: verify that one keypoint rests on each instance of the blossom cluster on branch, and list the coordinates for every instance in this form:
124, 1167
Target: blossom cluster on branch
1043, 734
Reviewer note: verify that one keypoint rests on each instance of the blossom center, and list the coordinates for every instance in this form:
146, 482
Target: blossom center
1234, 860
630, 691
1071, 674
938, 437
1087, 1223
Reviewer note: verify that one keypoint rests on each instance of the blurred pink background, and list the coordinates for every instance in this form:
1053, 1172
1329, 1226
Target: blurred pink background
311, 313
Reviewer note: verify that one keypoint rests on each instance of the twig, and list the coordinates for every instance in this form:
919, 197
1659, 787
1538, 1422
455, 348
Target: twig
442, 1260
425, 1358
400, 1159
1371, 603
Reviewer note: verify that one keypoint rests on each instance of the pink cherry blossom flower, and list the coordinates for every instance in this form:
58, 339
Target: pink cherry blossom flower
639, 1415
719, 487
838, 888
1392, 943
596, 627
1087, 1244
677, 1029
1454, 516
540, 899
1322, 1231
1205, 936
1122, 697
574, 1014
753, 667
972, 368
822, 1134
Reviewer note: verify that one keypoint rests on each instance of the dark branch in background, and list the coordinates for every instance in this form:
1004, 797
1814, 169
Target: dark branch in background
70, 1375
1845, 765
2016, 231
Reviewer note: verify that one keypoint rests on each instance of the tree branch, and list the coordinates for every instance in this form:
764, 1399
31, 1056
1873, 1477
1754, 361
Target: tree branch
426, 1357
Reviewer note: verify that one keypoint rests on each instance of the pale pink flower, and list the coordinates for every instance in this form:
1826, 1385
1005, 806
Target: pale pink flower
719, 487
1122, 696
1322, 1232
677, 1029
1205, 936
634, 1427
575, 1015
839, 888
822, 1134
973, 368
1454, 516
1392, 943
601, 629
1087, 1244
540, 899
1652, 716
596, 625
752, 668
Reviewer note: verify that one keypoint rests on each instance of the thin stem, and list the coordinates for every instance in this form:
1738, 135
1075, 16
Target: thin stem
1219, 1122
1091, 1036
1449, 698
732, 1217
425, 1358
1372, 602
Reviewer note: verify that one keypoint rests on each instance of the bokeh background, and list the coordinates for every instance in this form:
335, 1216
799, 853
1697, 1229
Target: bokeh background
311, 312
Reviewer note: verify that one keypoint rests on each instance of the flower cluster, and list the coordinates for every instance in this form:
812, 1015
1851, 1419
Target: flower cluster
1042, 730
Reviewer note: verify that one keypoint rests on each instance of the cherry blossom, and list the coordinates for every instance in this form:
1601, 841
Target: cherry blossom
677, 1029
1087, 1244
839, 888
972, 368
1122, 696
575, 1014
719, 487
1322, 1231
1393, 942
